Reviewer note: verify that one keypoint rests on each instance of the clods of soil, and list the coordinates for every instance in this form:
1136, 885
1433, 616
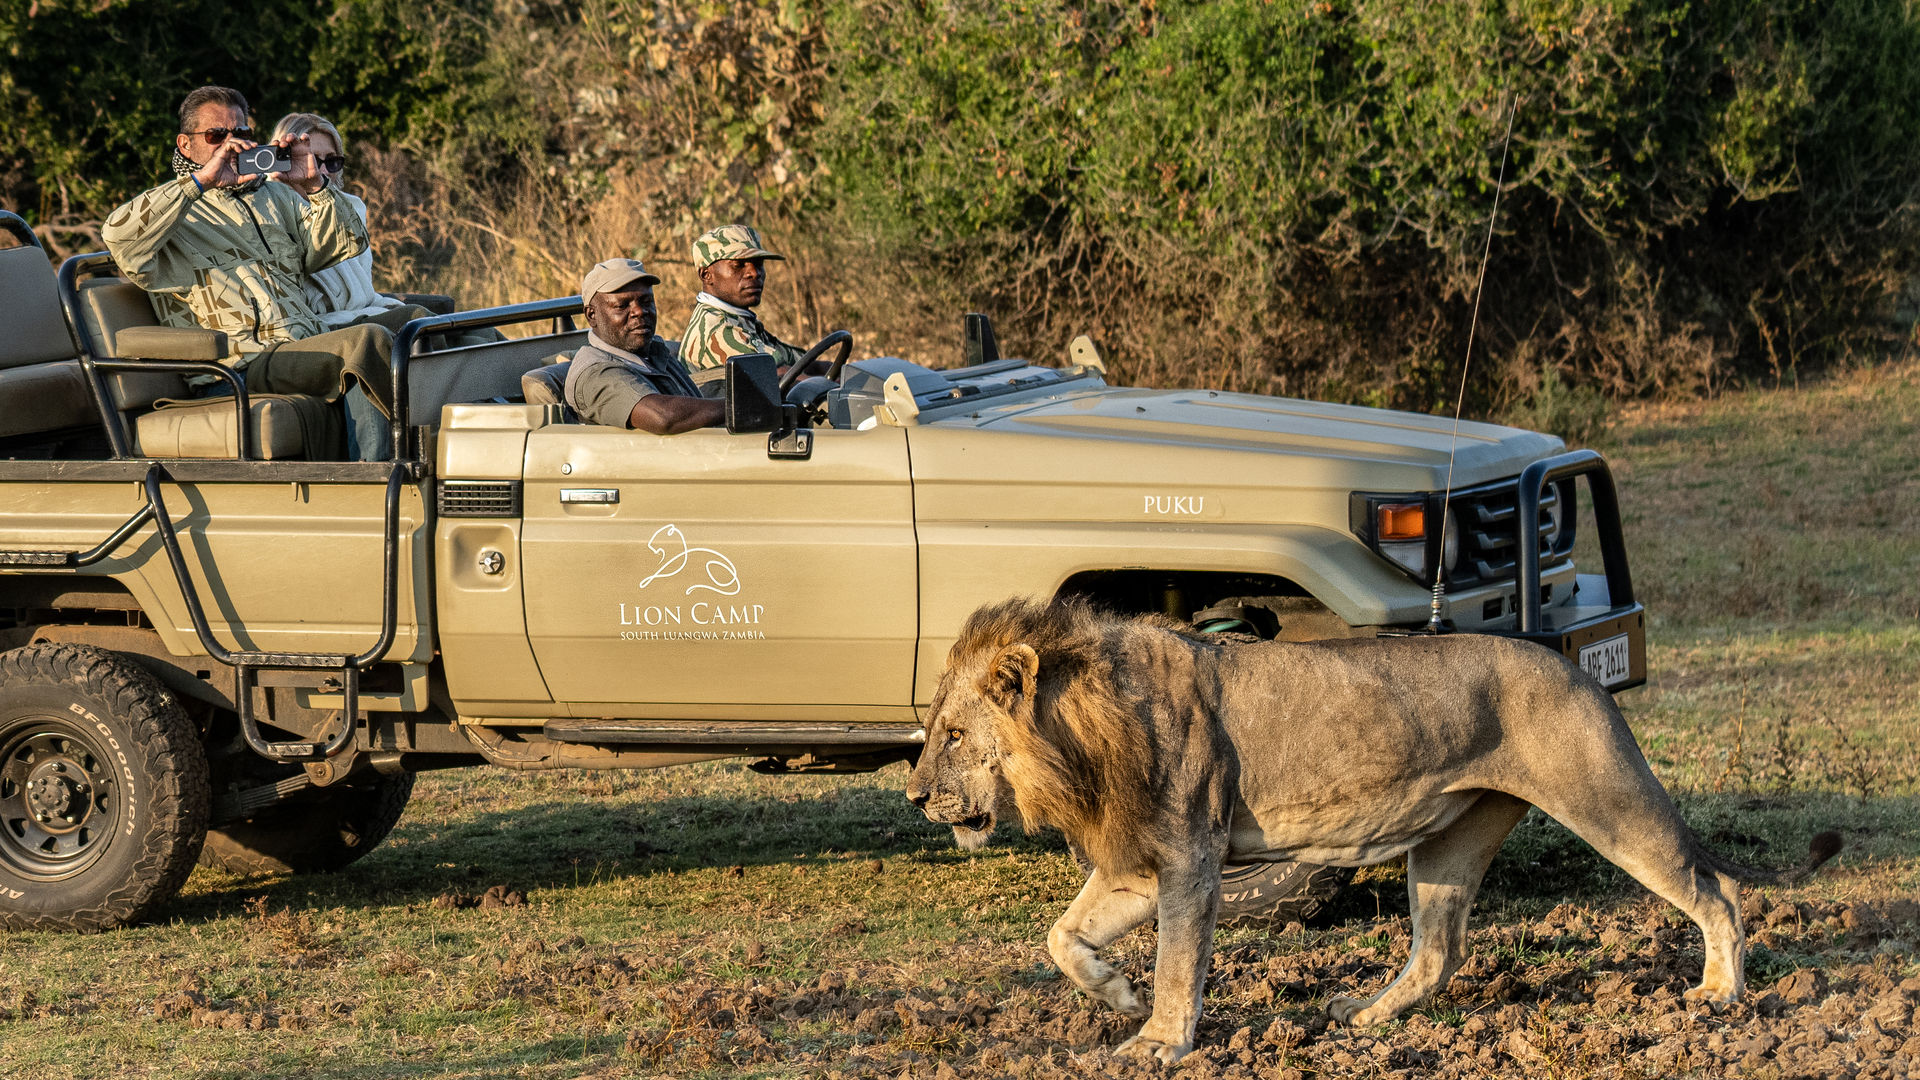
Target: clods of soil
1832, 994
499, 896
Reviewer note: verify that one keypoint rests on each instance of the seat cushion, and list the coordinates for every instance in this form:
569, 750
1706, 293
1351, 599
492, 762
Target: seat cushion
284, 426
45, 397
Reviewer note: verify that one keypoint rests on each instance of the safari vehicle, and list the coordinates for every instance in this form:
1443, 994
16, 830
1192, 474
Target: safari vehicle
222, 643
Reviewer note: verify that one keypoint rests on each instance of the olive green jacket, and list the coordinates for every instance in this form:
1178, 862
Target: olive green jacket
718, 331
233, 259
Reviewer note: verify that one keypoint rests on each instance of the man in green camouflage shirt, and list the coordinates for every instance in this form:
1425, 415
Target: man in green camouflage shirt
733, 275
228, 252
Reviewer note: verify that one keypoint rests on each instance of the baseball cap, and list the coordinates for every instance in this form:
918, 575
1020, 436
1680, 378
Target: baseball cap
612, 275
730, 242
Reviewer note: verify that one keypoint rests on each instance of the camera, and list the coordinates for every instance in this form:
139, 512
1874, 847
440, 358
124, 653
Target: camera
265, 158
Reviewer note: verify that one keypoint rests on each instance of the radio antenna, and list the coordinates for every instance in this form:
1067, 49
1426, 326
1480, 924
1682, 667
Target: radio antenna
1466, 365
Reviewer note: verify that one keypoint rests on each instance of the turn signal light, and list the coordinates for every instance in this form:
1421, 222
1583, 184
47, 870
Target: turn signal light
1402, 521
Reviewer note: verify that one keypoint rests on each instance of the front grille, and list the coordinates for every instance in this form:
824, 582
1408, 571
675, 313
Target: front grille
1490, 533
479, 498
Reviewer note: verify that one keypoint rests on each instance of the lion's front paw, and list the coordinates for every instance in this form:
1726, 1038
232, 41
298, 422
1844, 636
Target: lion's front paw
1713, 997
1117, 994
1141, 1048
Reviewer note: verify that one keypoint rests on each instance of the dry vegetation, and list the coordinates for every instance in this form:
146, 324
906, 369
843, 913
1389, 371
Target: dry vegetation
710, 922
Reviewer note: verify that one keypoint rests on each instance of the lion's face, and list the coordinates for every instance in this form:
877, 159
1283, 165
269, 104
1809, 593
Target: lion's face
959, 780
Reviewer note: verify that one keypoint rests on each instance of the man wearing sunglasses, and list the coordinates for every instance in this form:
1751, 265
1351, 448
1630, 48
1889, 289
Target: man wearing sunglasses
228, 252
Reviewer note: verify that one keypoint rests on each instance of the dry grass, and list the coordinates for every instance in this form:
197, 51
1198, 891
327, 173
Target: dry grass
674, 918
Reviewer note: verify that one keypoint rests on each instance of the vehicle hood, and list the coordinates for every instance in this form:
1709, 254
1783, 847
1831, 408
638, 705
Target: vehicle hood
1398, 450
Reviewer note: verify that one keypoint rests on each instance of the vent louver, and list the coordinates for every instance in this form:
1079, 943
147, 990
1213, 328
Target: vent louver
479, 498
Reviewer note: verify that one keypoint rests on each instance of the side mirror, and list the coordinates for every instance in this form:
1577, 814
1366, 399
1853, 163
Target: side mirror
753, 395
979, 346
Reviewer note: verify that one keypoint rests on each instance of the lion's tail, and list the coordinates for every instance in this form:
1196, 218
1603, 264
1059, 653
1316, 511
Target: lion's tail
1824, 846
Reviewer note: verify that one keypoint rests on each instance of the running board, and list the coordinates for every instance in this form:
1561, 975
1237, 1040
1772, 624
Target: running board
711, 733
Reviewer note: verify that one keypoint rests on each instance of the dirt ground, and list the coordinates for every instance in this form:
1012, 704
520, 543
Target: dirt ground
1575, 993
1581, 993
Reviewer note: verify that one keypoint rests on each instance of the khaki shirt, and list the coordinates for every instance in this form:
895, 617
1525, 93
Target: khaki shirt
233, 259
604, 383
719, 331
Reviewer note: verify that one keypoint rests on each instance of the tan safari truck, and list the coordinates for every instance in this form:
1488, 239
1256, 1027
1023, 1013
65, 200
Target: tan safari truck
221, 643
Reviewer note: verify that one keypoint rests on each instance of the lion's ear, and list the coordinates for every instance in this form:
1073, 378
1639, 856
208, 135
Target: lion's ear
1010, 678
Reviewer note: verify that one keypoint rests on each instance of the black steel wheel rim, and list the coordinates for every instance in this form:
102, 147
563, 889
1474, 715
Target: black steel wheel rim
59, 798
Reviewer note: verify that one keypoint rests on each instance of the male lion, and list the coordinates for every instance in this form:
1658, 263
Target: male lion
1161, 755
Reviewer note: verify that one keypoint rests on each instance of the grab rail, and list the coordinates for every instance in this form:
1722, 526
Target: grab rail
559, 309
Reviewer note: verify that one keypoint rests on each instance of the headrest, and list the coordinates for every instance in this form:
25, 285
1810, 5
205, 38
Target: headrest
110, 305
37, 330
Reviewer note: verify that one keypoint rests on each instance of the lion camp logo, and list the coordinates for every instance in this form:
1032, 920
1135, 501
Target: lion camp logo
691, 570
674, 555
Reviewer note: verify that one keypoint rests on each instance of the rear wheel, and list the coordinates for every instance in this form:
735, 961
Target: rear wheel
316, 832
103, 790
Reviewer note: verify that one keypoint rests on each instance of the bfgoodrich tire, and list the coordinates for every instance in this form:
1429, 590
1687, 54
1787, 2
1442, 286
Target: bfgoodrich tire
1278, 893
103, 790
322, 831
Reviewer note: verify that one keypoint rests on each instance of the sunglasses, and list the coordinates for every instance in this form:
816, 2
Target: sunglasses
333, 163
219, 135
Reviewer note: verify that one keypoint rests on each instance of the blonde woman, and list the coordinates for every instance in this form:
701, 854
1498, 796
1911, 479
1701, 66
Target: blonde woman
344, 293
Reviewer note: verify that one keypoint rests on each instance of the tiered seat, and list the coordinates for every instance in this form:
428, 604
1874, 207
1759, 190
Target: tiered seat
117, 320
120, 321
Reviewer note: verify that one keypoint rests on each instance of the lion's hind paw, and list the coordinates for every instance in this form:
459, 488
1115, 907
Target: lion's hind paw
1351, 1011
1141, 1048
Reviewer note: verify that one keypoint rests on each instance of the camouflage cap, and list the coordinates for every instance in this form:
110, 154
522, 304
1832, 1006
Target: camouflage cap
730, 242
612, 276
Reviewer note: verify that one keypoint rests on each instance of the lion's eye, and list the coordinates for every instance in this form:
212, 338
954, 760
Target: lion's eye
954, 736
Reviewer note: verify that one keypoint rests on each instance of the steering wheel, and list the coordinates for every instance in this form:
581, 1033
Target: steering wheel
798, 371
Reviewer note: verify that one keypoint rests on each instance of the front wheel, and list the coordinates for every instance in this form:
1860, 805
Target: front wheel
1266, 893
103, 790
1278, 893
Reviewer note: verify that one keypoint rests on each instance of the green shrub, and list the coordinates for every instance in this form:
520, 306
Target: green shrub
1311, 181
89, 92
1283, 195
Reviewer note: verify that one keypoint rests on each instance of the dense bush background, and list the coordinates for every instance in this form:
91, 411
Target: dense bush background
1263, 194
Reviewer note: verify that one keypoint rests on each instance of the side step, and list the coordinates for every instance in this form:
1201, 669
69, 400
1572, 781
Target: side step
754, 734
37, 558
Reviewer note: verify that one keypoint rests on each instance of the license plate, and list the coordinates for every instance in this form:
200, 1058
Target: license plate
1609, 660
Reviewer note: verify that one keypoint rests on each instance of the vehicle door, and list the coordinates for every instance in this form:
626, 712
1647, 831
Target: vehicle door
692, 576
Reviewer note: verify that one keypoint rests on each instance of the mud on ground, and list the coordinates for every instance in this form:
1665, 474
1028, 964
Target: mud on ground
1577, 993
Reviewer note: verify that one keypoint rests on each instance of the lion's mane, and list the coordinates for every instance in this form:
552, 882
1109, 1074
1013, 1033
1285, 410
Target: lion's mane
1079, 754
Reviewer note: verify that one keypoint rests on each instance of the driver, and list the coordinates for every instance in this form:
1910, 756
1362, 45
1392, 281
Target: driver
624, 376
733, 275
